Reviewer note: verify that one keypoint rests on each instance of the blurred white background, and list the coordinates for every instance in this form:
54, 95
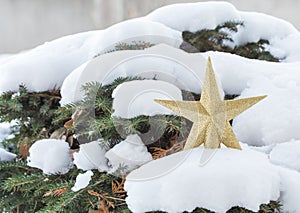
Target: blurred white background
27, 23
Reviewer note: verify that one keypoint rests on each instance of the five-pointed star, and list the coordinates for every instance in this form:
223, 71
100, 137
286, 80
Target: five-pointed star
211, 115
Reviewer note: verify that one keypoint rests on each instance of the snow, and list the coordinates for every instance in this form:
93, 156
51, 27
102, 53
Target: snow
130, 153
255, 29
5, 57
236, 72
46, 66
290, 187
263, 149
287, 47
138, 30
195, 16
91, 156
6, 156
275, 119
82, 181
5, 131
207, 15
50, 155
178, 182
161, 62
135, 98
287, 155
70, 88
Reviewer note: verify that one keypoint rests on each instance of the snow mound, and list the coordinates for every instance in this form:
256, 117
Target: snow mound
130, 153
287, 155
6, 156
231, 178
208, 15
275, 120
135, 98
70, 89
195, 16
138, 30
91, 156
82, 181
161, 62
46, 66
290, 187
50, 155
255, 29
236, 72
6, 57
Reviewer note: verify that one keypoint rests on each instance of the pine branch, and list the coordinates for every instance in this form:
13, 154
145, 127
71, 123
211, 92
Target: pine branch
217, 40
15, 165
20, 181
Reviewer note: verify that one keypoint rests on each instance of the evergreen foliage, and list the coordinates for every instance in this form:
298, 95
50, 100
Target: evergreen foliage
29, 190
96, 108
217, 40
33, 113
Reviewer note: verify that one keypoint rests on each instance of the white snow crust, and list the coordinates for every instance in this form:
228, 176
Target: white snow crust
82, 181
91, 156
6, 156
46, 66
178, 182
50, 155
290, 187
287, 155
135, 98
130, 154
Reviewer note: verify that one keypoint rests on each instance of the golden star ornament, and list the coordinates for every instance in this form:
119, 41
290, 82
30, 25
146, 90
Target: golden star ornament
211, 115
